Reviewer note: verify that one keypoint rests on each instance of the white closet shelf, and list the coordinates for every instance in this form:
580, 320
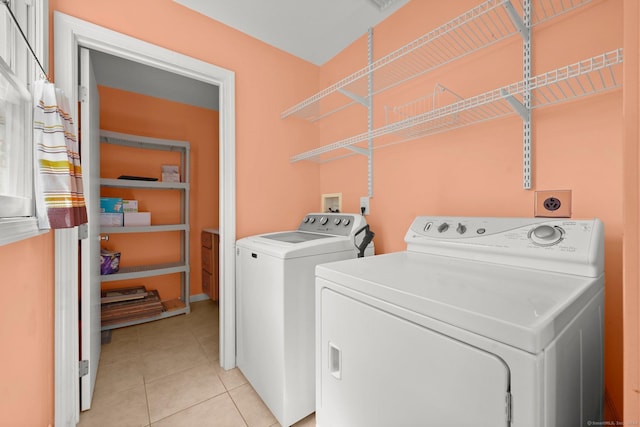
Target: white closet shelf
482, 26
132, 183
138, 272
588, 77
144, 229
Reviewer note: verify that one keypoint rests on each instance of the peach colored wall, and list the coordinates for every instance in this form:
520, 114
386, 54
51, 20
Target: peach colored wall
271, 193
136, 114
267, 81
631, 254
483, 177
26, 332
477, 170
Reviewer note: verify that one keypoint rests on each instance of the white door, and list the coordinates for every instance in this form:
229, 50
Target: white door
90, 253
378, 370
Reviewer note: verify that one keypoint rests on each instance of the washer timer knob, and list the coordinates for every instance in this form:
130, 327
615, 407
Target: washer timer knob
546, 235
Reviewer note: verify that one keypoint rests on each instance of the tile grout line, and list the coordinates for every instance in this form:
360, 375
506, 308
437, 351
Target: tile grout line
244, 420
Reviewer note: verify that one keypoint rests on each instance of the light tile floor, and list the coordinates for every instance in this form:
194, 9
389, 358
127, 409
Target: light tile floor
167, 374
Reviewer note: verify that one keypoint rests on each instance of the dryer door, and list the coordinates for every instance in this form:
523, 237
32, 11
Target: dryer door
377, 369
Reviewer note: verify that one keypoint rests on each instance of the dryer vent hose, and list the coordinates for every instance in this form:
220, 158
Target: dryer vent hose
368, 237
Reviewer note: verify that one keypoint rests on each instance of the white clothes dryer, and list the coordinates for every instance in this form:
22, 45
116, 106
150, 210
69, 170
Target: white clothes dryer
480, 322
275, 291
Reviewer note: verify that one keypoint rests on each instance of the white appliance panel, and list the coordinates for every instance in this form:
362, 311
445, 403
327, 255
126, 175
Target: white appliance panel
256, 346
412, 378
574, 246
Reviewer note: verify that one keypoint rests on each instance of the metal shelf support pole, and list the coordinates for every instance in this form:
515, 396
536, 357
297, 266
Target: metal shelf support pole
526, 127
523, 109
370, 111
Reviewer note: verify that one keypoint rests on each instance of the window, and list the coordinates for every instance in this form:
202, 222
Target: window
18, 70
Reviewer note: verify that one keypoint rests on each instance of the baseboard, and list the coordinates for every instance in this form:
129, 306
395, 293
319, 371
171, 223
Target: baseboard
198, 297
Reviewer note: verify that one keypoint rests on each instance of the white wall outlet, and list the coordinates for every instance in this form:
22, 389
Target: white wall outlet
364, 203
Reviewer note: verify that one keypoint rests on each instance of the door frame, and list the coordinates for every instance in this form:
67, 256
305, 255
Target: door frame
70, 33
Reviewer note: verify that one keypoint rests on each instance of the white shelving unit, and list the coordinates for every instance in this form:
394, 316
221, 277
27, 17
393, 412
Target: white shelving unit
182, 266
488, 23
591, 76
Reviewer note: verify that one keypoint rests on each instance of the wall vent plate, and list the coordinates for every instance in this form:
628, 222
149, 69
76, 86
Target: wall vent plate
552, 204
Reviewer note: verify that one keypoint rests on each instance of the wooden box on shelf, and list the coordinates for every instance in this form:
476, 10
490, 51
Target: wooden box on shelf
210, 243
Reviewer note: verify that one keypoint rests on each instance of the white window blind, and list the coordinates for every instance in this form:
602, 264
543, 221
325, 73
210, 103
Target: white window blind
18, 69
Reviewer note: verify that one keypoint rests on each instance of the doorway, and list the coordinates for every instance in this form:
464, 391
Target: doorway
71, 34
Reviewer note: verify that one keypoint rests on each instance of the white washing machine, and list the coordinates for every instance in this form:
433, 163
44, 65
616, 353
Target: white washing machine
480, 322
275, 291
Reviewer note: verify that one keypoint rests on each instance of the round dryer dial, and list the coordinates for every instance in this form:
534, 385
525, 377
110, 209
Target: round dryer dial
546, 235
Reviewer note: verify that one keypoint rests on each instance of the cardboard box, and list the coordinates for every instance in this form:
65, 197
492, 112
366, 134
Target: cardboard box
111, 219
132, 219
170, 173
110, 204
129, 206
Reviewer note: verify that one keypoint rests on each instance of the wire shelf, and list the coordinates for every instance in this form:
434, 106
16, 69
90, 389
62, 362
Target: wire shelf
588, 77
482, 26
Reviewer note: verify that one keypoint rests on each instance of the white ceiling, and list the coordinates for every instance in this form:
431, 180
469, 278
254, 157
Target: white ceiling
314, 30
120, 73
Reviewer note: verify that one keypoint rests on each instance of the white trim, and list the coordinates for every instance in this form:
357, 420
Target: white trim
198, 297
14, 229
70, 34
66, 347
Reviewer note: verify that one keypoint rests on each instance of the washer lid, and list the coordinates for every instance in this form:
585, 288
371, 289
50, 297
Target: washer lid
296, 244
295, 236
520, 307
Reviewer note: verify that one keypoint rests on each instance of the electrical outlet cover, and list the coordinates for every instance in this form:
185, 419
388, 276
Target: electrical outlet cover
552, 204
364, 203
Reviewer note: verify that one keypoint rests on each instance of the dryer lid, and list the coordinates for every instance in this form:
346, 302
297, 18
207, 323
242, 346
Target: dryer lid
520, 307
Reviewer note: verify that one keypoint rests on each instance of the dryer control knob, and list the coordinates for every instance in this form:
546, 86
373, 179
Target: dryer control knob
546, 235
323, 220
443, 227
312, 220
346, 222
337, 221
545, 232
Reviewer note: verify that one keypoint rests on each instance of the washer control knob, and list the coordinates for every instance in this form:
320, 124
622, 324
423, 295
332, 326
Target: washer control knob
443, 227
546, 235
346, 222
461, 228
306, 219
337, 221
323, 220
312, 220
